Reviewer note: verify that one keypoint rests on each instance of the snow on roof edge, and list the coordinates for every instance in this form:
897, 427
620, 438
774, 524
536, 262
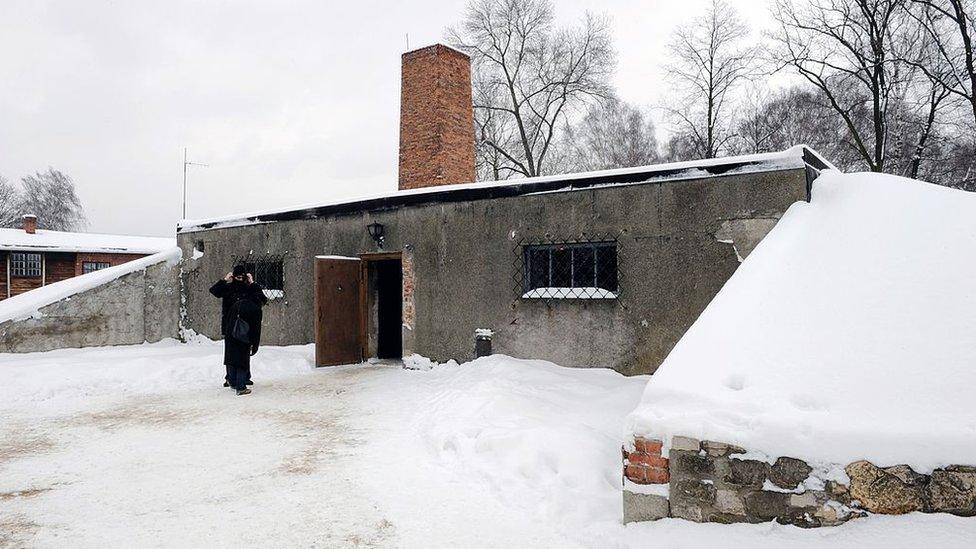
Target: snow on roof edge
29, 304
793, 153
12, 239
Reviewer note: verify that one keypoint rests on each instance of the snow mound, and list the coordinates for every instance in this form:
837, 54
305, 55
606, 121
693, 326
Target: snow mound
28, 304
538, 435
849, 333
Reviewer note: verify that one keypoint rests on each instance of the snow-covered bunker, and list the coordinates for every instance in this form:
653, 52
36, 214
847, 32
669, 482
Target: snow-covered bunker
602, 269
832, 374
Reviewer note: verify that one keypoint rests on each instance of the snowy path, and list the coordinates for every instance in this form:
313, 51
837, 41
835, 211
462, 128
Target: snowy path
139, 446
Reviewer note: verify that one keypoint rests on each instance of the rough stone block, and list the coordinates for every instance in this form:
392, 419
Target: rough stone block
881, 492
685, 443
730, 502
764, 505
827, 515
686, 511
907, 475
806, 499
747, 472
686, 464
838, 492
644, 507
694, 491
691, 499
789, 472
720, 449
953, 490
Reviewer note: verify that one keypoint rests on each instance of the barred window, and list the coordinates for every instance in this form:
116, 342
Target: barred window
25, 265
267, 271
580, 270
92, 266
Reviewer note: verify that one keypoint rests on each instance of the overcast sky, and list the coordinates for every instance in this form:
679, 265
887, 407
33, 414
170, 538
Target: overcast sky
289, 102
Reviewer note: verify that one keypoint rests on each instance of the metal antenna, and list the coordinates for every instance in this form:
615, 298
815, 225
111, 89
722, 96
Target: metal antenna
185, 164
408, 41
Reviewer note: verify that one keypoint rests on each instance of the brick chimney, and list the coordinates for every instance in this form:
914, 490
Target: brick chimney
436, 118
30, 224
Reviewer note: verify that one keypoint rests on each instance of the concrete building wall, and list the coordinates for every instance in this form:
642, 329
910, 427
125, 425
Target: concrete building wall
137, 307
679, 241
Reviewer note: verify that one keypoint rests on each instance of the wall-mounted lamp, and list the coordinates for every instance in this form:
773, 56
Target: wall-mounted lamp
376, 233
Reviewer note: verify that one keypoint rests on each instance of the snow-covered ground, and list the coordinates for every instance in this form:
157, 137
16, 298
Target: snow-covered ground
847, 334
140, 446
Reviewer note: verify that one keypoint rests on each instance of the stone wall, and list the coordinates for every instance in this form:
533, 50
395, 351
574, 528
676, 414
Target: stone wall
137, 307
706, 481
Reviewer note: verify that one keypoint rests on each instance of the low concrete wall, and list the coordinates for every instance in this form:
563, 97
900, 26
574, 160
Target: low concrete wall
136, 307
706, 481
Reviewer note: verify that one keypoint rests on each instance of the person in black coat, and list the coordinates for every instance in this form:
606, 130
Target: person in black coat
242, 298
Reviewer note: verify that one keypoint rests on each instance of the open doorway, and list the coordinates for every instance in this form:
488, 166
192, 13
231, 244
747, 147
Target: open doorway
384, 305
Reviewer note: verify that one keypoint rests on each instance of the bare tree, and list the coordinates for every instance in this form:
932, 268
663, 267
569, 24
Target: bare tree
710, 62
949, 25
612, 135
51, 196
851, 52
9, 204
792, 116
529, 77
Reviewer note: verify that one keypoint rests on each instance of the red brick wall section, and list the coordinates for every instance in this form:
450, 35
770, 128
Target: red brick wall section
58, 267
409, 312
436, 118
111, 259
644, 465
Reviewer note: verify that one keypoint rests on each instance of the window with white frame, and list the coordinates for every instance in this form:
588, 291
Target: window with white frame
92, 266
25, 265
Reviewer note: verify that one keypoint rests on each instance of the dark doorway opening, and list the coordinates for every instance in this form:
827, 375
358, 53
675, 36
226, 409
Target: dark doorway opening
386, 307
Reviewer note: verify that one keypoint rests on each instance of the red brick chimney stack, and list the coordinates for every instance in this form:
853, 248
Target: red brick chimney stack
436, 118
30, 224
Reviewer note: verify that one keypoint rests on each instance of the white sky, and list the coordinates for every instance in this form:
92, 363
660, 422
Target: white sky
289, 102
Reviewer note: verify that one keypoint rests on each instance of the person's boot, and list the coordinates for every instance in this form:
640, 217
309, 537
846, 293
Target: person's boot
249, 382
244, 391
226, 384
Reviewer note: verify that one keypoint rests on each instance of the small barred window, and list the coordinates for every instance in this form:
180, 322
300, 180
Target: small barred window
25, 265
268, 271
92, 266
571, 270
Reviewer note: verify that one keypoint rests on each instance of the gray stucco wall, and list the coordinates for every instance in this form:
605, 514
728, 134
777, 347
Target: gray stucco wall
679, 241
134, 308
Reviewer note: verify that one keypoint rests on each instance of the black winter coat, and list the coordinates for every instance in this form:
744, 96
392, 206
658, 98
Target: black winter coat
232, 292
240, 298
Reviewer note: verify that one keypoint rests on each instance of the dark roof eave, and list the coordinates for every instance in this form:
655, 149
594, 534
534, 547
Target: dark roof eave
468, 194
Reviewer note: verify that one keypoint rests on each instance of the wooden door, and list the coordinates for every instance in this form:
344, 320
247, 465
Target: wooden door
338, 318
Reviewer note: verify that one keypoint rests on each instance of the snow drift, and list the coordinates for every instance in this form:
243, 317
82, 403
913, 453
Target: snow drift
849, 333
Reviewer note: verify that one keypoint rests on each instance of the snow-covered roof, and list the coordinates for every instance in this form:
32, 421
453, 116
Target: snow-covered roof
28, 304
60, 241
848, 333
796, 157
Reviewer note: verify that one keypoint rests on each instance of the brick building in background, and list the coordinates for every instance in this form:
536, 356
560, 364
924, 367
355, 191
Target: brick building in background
31, 258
